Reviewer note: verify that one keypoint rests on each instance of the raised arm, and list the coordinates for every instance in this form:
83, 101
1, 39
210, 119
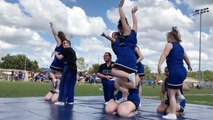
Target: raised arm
108, 37
134, 19
57, 39
165, 53
138, 52
125, 26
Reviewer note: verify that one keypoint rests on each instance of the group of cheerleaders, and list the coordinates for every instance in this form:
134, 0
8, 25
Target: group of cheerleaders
127, 68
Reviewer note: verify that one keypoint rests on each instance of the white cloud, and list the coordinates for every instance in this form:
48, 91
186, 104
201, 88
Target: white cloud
11, 14
4, 45
80, 24
67, 19
200, 4
22, 23
92, 49
155, 19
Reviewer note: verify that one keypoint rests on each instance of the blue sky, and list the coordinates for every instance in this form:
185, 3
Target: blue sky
24, 27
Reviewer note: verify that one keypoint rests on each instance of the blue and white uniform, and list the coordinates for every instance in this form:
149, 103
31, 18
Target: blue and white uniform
57, 64
177, 71
182, 104
115, 46
124, 48
108, 85
133, 96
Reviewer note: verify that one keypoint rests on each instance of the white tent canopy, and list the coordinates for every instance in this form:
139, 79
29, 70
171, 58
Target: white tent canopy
190, 80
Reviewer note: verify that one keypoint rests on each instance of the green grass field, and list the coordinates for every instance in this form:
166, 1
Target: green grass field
195, 96
31, 89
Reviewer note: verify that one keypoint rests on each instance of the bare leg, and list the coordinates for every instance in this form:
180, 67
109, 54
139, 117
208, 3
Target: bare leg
172, 101
178, 92
162, 108
140, 87
124, 75
55, 97
129, 85
119, 73
173, 104
180, 97
124, 91
119, 87
58, 77
126, 109
48, 96
168, 110
52, 74
111, 107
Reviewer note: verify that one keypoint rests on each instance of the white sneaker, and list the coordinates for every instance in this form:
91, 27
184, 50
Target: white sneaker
70, 103
180, 98
59, 103
121, 100
140, 104
131, 78
170, 117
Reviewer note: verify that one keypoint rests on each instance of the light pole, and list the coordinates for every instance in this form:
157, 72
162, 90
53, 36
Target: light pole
200, 12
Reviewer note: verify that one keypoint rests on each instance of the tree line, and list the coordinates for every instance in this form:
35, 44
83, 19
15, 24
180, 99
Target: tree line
19, 62
22, 62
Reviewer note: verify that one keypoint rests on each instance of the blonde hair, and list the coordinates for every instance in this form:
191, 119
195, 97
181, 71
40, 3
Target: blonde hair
176, 34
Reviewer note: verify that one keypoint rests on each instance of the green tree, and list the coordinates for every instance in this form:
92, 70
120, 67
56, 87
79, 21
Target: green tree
82, 66
192, 74
93, 69
207, 75
147, 72
19, 61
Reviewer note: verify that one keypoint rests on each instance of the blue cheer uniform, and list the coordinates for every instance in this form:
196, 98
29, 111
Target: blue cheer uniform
124, 48
57, 64
108, 85
133, 96
139, 66
182, 104
177, 71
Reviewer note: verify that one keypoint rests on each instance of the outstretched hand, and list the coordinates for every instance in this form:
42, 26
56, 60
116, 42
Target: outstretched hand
134, 9
103, 34
189, 68
121, 3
